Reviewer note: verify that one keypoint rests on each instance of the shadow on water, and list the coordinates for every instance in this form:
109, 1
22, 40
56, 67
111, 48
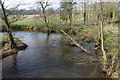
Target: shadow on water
14, 57
47, 57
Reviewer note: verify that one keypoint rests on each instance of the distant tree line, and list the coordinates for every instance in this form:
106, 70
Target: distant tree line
31, 11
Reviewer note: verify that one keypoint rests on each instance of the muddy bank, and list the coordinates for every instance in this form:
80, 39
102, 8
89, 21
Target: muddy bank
7, 52
5, 48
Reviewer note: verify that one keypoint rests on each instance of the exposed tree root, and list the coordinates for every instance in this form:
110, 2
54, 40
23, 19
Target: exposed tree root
9, 52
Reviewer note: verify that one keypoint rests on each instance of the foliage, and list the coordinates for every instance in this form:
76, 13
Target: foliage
4, 38
111, 40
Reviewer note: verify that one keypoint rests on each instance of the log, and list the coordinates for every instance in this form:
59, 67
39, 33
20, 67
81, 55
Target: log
76, 43
9, 52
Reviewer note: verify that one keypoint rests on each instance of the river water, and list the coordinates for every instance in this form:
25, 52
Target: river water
46, 57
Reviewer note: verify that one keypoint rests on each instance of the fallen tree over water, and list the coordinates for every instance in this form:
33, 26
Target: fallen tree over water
109, 67
76, 43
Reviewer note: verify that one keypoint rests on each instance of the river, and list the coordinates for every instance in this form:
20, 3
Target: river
47, 57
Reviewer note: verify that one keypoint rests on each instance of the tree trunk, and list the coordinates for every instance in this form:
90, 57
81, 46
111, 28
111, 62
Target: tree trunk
84, 12
13, 44
77, 44
113, 15
101, 33
70, 12
45, 20
102, 44
70, 17
119, 65
104, 62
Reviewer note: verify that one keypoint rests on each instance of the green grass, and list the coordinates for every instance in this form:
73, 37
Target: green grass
32, 23
29, 23
111, 40
54, 19
4, 38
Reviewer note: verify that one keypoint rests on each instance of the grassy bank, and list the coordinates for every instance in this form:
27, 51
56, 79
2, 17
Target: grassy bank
88, 32
5, 41
6, 47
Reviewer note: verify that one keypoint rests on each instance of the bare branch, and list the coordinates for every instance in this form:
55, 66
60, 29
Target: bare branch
14, 19
44, 5
11, 12
47, 4
6, 7
3, 2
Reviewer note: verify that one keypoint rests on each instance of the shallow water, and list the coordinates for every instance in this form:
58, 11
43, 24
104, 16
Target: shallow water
42, 60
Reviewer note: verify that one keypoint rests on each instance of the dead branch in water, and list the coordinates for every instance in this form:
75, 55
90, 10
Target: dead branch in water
19, 47
76, 43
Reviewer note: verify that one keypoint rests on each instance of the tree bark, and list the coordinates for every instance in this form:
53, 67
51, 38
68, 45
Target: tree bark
45, 18
70, 12
13, 44
84, 12
101, 33
102, 44
77, 44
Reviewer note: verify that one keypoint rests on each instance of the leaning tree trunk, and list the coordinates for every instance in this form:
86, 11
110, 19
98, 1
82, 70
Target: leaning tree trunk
45, 20
104, 61
13, 44
76, 43
102, 34
102, 44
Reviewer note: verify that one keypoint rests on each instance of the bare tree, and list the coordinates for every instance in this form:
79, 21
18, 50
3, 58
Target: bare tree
113, 64
102, 25
70, 9
44, 5
7, 23
85, 15
66, 10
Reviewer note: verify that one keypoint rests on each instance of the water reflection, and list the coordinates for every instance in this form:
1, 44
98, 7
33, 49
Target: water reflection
42, 60
14, 57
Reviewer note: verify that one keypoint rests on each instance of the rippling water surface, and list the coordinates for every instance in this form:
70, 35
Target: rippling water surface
42, 60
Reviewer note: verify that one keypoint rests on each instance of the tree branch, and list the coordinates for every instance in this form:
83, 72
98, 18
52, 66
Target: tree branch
14, 19
77, 44
47, 4
3, 2
11, 12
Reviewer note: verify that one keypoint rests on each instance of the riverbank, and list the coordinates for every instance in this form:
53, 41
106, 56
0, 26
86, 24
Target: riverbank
6, 50
52, 55
86, 33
